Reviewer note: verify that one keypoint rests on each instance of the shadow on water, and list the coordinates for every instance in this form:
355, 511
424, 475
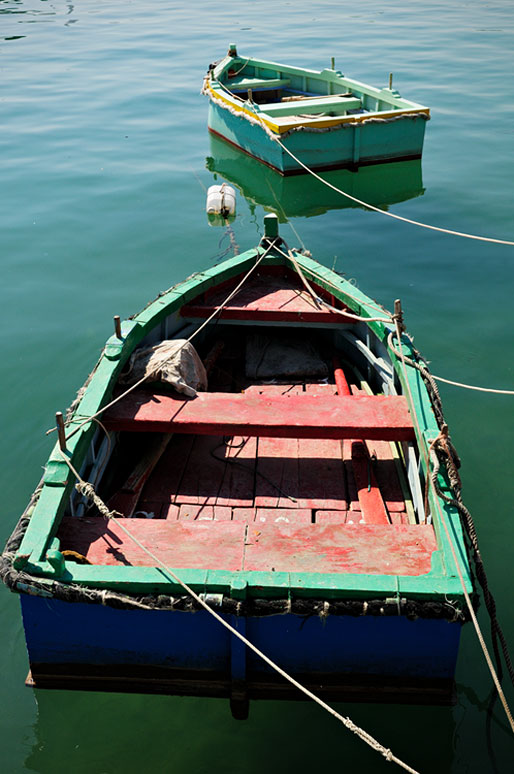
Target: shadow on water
94, 732
303, 195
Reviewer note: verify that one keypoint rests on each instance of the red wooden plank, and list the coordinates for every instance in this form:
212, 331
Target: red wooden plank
354, 516
399, 517
170, 512
330, 517
216, 545
265, 298
273, 389
353, 499
287, 416
284, 515
276, 482
371, 549
204, 473
321, 475
237, 488
204, 513
244, 514
167, 475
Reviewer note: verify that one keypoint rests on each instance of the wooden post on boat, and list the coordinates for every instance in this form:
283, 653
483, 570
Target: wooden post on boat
60, 430
117, 326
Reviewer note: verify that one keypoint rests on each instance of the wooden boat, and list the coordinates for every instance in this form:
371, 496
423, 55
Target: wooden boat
323, 118
303, 196
291, 495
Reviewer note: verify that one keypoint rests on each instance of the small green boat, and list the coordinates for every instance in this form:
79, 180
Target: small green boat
277, 114
281, 469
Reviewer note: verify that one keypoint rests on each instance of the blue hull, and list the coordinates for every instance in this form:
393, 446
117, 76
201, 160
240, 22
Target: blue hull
90, 646
345, 147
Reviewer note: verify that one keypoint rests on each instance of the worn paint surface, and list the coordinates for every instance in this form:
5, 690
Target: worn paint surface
286, 416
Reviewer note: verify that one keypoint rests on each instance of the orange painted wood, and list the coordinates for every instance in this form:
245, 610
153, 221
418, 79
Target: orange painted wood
386, 474
384, 469
216, 545
265, 298
371, 549
368, 493
289, 416
373, 510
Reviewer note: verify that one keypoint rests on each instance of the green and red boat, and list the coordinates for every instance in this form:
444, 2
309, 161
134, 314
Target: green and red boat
285, 476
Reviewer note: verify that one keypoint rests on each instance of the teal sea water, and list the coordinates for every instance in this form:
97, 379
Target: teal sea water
104, 159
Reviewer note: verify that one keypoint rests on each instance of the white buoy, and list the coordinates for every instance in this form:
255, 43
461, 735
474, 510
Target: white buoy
221, 200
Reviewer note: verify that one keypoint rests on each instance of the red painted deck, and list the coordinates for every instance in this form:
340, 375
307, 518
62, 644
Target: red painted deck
265, 545
259, 501
372, 417
267, 297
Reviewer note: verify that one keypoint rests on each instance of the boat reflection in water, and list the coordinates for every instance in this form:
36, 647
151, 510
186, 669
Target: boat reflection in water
303, 195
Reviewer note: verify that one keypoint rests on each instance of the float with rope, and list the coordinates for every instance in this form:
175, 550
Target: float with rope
329, 120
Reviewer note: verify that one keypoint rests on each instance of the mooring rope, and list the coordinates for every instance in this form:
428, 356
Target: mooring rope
442, 520
145, 378
87, 489
372, 207
440, 378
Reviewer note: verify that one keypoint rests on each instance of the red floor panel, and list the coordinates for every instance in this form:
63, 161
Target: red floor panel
372, 549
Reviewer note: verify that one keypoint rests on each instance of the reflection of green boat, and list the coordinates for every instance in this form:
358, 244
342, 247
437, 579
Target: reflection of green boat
303, 195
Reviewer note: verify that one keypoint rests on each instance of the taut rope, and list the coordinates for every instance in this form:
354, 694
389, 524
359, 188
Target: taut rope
88, 490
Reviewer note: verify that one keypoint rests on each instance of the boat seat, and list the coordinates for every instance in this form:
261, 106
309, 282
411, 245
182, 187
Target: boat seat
375, 417
331, 104
257, 84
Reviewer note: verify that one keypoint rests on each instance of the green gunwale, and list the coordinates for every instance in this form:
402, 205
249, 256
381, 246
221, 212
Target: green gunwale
441, 581
327, 77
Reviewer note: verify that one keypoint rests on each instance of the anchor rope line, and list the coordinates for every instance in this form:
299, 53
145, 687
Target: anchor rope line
191, 337
390, 319
442, 521
318, 300
372, 207
88, 491
440, 444
440, 378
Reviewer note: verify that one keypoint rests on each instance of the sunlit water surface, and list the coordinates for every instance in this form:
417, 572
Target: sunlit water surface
105, 159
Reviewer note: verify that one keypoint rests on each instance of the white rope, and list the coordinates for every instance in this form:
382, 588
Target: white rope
448, 381
88, 490
318, 300
277, 139
442, 521
473, 387
195, 333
